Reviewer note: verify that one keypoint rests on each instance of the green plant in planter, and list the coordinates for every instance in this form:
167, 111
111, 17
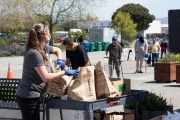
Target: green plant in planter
129, 106
151, 102
171, 57
153, 105
178, 57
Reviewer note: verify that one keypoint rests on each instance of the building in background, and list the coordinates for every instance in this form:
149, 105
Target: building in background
102, 35
101, 24
156, 29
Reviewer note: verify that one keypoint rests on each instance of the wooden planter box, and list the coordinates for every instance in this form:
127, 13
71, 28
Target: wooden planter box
165, 72
178, 73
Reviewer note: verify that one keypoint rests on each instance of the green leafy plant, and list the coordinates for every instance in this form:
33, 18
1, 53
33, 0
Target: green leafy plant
76, 35
12, 49
152, 102
129, 106
171, 57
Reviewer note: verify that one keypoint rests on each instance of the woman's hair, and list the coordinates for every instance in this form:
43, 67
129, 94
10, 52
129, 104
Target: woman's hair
34, 39
141, 39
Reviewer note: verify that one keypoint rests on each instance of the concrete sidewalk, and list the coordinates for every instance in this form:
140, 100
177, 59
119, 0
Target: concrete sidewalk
140, 81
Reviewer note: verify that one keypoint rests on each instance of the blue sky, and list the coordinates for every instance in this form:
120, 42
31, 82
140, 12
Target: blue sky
159, 8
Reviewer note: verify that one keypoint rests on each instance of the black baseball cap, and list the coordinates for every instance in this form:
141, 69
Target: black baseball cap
114, 38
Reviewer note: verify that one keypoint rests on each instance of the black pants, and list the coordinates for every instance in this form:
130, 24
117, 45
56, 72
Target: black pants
29, 108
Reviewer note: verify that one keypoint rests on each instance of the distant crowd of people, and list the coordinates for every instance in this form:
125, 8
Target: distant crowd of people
151, 52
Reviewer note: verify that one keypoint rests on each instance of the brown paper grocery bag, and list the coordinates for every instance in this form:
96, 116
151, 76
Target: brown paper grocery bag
104, 87
58, 87
83, 86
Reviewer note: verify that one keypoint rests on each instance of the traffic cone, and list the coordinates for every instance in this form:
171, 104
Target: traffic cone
9, 74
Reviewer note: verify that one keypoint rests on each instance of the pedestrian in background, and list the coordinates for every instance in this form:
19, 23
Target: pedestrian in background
141, 48
76, 54
35, 74
155, 47
115, 53
163, 48
80, 39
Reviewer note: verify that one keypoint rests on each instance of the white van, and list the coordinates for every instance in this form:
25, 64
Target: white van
75, 30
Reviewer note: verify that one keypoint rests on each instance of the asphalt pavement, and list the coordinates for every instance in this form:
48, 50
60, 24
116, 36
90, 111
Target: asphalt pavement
139, 81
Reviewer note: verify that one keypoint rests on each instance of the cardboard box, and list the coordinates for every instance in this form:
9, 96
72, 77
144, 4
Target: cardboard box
127, 116
119, 116
123, 86
157, 118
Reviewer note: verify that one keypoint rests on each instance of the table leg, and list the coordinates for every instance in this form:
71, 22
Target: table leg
89, 115
136, 111
47, 114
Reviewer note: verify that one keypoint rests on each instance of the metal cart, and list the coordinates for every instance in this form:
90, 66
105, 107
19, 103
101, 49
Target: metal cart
111, 67
89, 106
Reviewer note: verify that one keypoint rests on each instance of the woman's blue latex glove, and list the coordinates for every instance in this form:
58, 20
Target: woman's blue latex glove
60, 63
71, 72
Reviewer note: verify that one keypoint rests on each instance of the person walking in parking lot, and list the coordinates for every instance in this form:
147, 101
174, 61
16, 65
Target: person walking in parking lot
35, 73
141, 48
155, 47
163, 48
115, 52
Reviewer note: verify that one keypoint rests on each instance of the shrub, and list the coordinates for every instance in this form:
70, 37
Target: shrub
171, 57
12, 49
151, 102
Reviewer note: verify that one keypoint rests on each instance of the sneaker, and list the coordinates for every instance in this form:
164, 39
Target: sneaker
140, 71
137, 71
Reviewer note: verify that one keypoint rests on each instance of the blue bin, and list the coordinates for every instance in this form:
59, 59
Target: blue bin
86, 45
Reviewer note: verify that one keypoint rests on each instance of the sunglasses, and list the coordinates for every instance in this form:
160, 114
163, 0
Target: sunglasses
44, 26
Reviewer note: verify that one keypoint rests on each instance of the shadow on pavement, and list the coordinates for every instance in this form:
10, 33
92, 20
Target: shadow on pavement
171, 85
128, 73
151, 82
178, 110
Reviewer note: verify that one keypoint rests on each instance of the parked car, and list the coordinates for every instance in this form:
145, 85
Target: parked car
60, 38
151, 39
61, 35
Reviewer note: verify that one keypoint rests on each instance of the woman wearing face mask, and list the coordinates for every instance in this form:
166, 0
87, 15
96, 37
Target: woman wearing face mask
35, 74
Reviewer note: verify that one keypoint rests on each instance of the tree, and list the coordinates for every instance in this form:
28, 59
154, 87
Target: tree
139, 14
58, 11
75, 35
123, 25
52, 12
14, 18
